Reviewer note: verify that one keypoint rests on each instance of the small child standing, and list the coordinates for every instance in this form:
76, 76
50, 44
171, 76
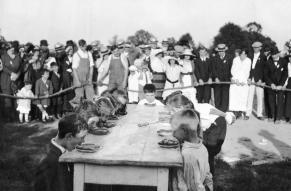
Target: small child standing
195, 174
144, 78
44, 88
150, 93
24, 105
133, 84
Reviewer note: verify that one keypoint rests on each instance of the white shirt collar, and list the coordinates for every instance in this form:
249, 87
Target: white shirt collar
62, 149
257, 54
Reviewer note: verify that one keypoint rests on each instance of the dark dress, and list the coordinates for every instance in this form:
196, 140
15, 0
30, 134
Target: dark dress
52, 175
221, 69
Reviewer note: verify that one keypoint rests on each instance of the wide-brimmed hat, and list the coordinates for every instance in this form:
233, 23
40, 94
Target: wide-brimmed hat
120, 43
168, 58
187, 52
59, 46
221, 48
158, 51
165, 41
257, 44
153, 40
104, 50
144, 46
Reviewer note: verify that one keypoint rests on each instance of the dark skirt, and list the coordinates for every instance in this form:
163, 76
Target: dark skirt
159, 80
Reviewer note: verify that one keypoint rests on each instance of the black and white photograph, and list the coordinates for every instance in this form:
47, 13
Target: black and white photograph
145, 95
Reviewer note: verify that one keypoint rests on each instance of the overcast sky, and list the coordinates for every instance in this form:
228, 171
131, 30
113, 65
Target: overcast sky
60, 20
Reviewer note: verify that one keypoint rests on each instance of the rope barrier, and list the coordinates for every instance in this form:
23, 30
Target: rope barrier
178, 88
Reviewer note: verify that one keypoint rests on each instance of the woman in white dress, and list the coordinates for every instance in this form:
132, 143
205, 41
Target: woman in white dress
173, 71
102, 65
238, 92
188, 77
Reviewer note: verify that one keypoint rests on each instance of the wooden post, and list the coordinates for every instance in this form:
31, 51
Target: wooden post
79, 176
163, 179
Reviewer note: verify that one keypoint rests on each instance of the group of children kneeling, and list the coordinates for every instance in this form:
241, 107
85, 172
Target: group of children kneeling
200, 129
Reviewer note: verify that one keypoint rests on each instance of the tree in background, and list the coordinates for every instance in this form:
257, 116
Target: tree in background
254, 27
186, 40
236, 37
140, 37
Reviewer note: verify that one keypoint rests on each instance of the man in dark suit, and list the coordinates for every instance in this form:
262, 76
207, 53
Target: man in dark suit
275, 74
203, 74
50, 174
221, 66
56, 108
256, 76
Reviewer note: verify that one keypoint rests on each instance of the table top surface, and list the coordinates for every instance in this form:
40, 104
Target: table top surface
128, 144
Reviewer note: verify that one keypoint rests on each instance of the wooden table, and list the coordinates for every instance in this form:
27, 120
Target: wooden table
129, 155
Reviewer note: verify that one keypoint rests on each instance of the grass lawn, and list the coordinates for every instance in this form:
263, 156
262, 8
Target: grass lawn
21, 147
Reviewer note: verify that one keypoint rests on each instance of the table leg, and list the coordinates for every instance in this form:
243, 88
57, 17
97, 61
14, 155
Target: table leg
163, 179
79, 176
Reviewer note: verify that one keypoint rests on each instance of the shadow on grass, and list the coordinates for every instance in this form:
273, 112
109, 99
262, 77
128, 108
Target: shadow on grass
245, 177
20, 154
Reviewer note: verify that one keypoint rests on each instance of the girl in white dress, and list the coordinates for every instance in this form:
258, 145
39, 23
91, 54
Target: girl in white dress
102, 65
238, 93
24, 105
173, 72
188, 77
133, 84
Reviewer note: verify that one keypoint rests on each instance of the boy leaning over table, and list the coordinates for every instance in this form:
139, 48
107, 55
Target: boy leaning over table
50, 174
195, 174
212, 125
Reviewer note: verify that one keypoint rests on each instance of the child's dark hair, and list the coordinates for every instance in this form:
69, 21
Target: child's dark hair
189, 113
149, 88
82, 42
71, 123
180, 100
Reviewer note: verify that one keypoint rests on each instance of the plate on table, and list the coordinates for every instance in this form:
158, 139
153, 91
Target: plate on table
168, 143
165, 132
87, 148
99, 131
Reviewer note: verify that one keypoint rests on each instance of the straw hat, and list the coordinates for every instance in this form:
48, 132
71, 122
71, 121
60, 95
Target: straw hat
59, 46
221, 48
257, 44
172, 58
187, 52
104, 50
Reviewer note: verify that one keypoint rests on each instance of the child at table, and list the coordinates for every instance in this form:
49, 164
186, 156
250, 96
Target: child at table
50, 174
212, 126
150, 93
195, 174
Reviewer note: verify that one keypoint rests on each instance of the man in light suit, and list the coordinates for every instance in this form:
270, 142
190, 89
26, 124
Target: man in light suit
256, 76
